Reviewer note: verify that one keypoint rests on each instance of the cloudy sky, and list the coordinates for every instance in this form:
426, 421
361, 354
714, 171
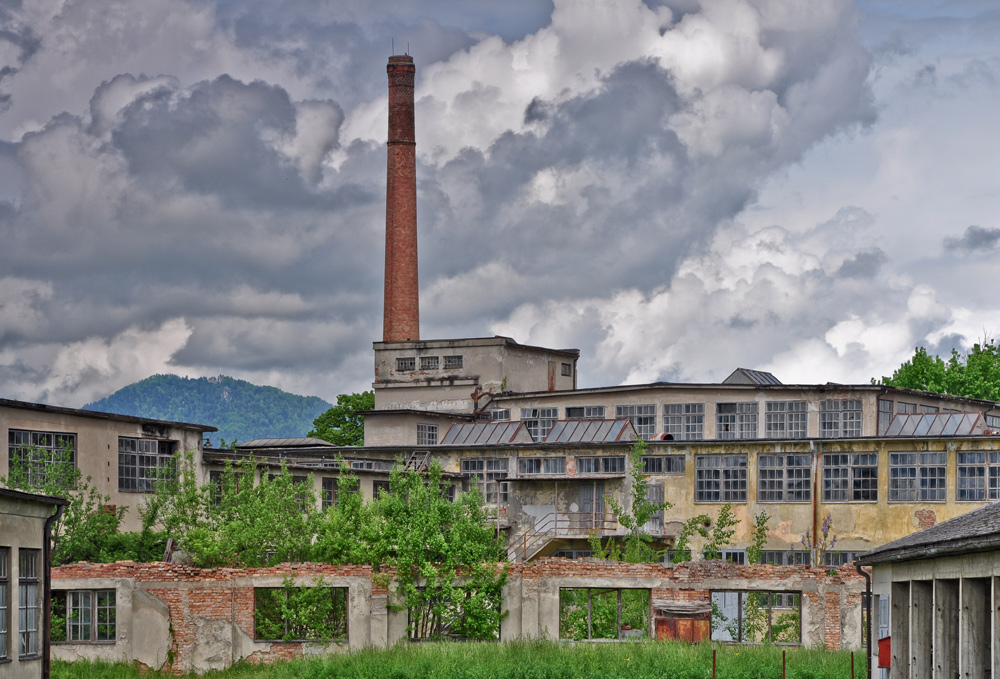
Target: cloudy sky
675, 187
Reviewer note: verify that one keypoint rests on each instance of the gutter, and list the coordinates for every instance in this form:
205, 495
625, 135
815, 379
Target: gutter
916, 553
871, 611
45, 618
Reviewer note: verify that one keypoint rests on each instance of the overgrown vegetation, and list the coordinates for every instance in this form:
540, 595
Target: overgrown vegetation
443, 553
527, 660
88, 529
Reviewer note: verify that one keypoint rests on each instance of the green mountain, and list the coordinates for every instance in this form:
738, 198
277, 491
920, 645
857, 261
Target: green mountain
239, 409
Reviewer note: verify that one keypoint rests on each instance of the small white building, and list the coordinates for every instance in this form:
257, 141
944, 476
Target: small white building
942, 586
25, 520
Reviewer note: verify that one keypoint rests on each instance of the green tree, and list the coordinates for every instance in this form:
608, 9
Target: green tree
638, 543
445, 556
973, 375
342, 424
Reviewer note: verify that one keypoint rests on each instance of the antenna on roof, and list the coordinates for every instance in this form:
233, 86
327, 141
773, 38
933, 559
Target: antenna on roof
407, 48
393, 45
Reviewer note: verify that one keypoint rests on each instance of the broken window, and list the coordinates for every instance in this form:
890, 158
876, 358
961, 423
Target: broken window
601, 465
300, 613
884, 416
329, 496
567, 369
784, 478
584, 412
786, 557
839, 419
427, 434
757, 617
785, 419
380, 488
903, 407
643, 418
720, 478
663, 464
684, 421
592, 613
429, 362
539, 421
37, 451
573, 553
738, 556
500, 415
452, 362
83, 616
142, 461
917, 477
840, 557
541, 465
736, 420
28, 602
489, 475
850, 477
978, 477
407, 364
4, 601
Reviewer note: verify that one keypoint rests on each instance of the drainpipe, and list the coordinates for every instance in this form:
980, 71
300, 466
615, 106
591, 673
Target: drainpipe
815, 470
871, 611
45, 618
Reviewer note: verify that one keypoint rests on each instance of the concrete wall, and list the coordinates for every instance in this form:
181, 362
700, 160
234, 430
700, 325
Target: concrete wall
184, 619
96, 448
493, 364
944, 615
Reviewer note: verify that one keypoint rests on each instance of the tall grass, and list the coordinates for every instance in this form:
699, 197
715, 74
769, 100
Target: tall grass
528, 660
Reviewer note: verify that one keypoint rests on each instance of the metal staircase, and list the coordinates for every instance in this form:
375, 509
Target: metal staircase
558, 525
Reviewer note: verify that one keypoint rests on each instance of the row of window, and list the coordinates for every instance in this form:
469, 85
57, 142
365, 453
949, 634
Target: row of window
848, 477
29, 607
140, 460
686, 421
407, 364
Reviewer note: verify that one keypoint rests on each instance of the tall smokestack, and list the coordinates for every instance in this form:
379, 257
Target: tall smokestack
401, 314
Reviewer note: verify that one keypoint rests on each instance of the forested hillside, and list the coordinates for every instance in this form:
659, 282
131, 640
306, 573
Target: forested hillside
239, 409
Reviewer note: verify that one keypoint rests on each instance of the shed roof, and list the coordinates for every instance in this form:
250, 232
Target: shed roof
480, 433
976, 531
589, 431
747, 376
937, 424
302, 442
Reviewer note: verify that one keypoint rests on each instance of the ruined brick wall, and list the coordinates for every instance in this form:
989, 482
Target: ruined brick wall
831, 600
186, 619
211, 610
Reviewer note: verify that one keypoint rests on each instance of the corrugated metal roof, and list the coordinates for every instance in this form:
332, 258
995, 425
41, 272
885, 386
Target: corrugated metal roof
586, 431
937, 424
285, 443
480, 433
747, 376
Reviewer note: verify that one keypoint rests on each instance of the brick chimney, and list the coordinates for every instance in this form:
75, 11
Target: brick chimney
401, 313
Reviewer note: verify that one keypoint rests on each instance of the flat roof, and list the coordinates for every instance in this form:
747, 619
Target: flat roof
78, 412
37, 498
475, 341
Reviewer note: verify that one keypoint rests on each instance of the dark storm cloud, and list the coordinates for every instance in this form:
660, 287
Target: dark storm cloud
975, 238
862, 265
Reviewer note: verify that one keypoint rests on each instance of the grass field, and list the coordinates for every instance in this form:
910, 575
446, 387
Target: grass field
529, 660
